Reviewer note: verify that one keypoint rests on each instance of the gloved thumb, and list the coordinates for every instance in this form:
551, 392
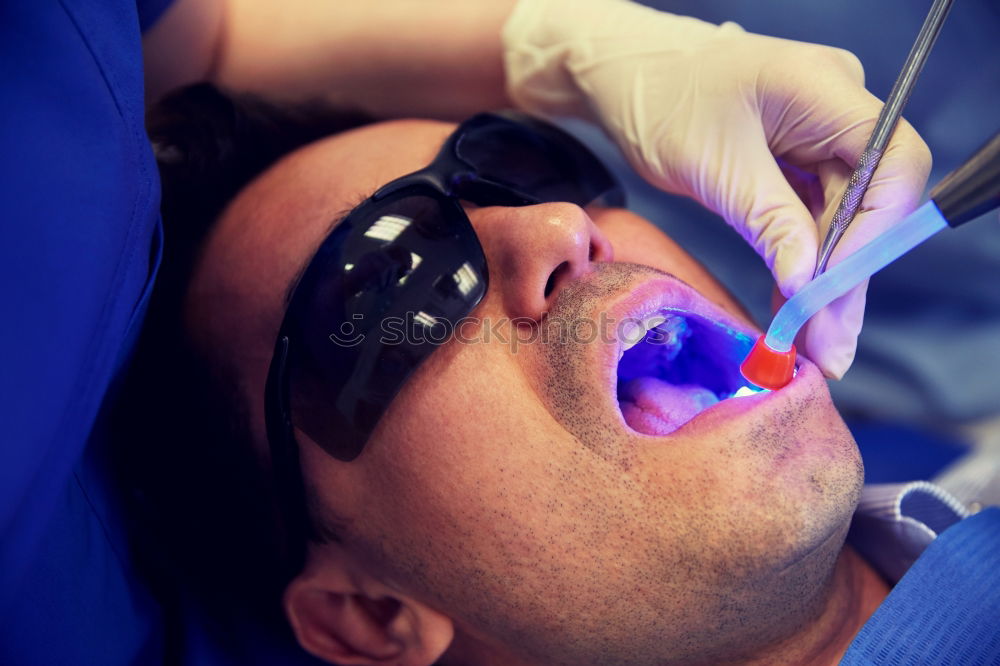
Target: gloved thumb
830, 337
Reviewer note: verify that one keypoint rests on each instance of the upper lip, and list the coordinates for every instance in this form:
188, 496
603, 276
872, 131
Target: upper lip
659, 293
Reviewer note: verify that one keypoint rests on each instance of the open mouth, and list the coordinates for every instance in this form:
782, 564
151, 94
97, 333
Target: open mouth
676, 364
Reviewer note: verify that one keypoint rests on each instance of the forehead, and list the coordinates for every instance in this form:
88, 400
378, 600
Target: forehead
276, 223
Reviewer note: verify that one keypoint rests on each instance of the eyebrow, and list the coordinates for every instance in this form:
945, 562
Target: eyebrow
290, 291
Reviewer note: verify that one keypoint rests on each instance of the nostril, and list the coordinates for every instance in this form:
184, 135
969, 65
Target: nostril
550, 284
600, 249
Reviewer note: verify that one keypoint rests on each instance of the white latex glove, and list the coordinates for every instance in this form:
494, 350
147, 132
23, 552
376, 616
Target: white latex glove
763, 131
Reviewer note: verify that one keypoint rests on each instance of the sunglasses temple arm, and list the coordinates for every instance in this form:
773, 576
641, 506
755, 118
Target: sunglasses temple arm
286, 471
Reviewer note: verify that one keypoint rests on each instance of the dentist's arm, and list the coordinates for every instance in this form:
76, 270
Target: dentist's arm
438, 58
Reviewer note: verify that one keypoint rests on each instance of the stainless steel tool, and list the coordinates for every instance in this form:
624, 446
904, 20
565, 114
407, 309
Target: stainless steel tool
884, 126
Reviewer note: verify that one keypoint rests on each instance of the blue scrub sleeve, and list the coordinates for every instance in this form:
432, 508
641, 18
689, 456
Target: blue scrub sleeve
78, 255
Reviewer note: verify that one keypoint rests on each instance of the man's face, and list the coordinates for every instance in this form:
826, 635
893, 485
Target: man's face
504, 487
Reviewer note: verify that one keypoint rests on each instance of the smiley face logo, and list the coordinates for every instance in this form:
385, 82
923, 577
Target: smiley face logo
348, 335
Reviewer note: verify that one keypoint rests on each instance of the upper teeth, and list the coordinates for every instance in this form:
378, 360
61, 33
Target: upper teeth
633, 332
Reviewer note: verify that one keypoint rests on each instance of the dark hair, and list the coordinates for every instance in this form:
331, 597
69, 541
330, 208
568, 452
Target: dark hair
199, 500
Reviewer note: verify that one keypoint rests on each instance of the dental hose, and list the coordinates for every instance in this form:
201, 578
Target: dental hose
966, 193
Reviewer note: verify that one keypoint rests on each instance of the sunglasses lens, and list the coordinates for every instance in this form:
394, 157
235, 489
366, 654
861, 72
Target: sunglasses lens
385, 290
535, 158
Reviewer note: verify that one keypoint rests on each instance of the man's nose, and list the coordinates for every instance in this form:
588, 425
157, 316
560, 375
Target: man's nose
533, 251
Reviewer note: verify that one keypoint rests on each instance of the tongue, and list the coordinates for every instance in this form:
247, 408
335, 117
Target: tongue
654, 407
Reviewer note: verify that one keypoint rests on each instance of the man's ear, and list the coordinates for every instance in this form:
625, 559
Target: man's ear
348, 617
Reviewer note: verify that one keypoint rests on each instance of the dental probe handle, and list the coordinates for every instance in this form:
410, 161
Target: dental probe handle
884, 126
973, 188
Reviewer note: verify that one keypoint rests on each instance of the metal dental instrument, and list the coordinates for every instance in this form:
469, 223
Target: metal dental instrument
884, 126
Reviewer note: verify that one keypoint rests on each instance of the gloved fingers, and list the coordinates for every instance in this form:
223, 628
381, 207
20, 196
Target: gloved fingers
833, 175
834, 118
757, 199
894, 192
807, 185
814, 105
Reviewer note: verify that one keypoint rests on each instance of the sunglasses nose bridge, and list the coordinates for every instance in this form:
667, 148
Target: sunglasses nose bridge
444, 180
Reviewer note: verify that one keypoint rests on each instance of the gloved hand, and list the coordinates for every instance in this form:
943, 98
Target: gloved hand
763, 131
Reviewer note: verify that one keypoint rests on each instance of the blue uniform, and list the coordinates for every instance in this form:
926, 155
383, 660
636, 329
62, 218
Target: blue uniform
79, 233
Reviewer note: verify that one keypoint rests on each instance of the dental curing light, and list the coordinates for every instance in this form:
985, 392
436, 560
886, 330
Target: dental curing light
966, 193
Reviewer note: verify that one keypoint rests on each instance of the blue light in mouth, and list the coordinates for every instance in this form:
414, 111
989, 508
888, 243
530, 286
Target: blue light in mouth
749, 389
688, 349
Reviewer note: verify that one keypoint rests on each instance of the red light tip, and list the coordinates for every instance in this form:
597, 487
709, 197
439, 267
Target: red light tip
767, 368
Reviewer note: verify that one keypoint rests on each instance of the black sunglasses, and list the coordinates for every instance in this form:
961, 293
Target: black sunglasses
389, 283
